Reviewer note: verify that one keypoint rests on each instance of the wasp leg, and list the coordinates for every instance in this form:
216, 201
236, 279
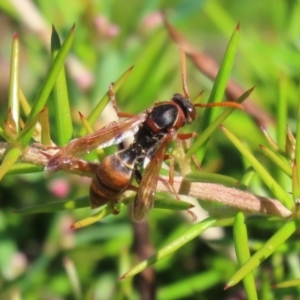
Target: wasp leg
113, 101
113, 207
185, 138
113, 204
170, 183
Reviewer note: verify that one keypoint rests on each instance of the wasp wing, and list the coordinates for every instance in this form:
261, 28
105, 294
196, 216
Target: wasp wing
144, 199
109, 135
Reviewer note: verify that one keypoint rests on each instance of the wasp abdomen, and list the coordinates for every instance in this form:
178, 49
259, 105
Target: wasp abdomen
113, 176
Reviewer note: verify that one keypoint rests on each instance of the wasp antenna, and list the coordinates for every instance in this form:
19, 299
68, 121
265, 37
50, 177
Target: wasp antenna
183, 73
227, 104
233, 104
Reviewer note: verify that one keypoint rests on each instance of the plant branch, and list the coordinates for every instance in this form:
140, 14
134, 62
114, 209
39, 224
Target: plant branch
232, 197
209, 192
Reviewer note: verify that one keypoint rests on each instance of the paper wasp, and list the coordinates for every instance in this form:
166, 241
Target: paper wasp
152, 130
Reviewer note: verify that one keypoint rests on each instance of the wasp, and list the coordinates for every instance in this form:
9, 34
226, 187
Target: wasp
152, 130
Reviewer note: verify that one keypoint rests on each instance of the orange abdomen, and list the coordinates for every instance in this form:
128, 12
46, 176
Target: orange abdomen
110, 181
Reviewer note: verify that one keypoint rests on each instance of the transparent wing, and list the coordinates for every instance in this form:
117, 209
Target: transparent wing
144, 199
114, 133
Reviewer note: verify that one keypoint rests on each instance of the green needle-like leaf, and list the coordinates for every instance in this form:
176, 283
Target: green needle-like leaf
14, 85
55, 206
290, 144
297, 146
218, 89
86, 124
243, 254
198, 176
45, 133
106, 211
2, 133
171, 247
277, 160
188, 287
49, 82
72, 272
164, 203
103, 102
269, 247
63, 120
23, 168
282, 114
29, 126
276, 189
24, 103
271, 142
247, 178
9, 160
287, 284
160, 201
295, 182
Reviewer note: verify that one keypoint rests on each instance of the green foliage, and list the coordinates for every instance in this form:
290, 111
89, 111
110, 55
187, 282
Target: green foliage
40, 257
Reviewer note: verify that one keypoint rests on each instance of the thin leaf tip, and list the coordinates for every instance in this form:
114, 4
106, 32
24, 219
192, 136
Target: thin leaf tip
122, 277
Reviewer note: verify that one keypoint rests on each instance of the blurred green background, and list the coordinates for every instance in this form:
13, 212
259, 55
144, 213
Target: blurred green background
111, 36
